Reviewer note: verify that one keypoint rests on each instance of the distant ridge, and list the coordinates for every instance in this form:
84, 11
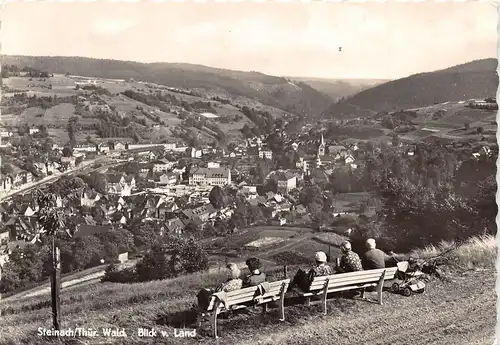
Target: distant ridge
475, 79
278, 92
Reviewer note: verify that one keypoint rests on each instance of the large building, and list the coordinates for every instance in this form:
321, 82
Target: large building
210, 176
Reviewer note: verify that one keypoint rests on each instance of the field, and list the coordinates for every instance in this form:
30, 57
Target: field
58, 116
450, 124
453, 310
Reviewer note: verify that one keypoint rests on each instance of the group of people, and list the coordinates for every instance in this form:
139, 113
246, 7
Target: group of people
350, 261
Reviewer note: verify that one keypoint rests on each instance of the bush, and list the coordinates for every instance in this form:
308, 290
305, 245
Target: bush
113, 275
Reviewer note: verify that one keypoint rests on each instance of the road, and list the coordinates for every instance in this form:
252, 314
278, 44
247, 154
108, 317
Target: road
86, 165
90, 278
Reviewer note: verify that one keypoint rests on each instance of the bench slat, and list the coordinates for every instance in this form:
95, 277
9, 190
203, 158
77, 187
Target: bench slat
352, 277
248, 294
337, 289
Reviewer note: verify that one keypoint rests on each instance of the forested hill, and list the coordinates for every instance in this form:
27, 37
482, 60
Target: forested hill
477, 79
298, 98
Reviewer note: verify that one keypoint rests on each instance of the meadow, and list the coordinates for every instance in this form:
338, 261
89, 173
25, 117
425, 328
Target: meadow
168, 304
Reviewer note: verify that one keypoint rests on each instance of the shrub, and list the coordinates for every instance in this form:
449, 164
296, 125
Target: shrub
113, 275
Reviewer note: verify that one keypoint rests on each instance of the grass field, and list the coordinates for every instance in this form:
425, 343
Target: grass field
455, 310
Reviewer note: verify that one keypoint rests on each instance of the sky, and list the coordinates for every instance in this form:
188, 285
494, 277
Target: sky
379, 40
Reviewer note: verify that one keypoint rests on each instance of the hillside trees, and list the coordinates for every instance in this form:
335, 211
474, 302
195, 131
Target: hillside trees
217, 197
25, 266
171, 257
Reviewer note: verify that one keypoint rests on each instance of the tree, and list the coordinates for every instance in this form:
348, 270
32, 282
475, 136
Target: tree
479, 130
217, 197
67, 152
23, 268
466, 126
170, 257
395, 140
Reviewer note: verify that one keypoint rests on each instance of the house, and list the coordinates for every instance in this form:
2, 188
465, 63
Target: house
89, 198
85, 148
103, 148
34, 131
4, 236
167, 179
286, 182
336, 150
70, 162
166, 208
267, 154
120, 184
52, 167
5, 183
204, 212
210, 176
119, 147
349, 159
194, 153
213, 165
162, 165
41, 168
175, 225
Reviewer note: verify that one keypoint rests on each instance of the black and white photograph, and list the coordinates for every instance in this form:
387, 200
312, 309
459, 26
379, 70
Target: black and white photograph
248, 172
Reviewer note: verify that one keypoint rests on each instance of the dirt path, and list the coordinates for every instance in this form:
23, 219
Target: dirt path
459, 312
45, 289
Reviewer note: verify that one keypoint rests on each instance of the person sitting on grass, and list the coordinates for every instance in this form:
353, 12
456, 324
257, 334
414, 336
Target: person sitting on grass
302, 279
255, 277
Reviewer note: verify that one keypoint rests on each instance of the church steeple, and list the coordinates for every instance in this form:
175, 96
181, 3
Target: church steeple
321, 148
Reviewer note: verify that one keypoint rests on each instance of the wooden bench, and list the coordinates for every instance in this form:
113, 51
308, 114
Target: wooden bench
322, 286
244, 298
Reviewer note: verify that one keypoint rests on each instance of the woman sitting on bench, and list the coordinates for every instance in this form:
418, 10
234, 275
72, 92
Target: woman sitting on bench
255, 277
234, 282
302, 279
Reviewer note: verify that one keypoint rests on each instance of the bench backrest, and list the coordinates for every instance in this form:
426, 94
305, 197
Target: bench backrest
352, 278
248, 294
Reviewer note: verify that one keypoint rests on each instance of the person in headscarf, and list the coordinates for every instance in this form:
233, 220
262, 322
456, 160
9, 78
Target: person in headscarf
302, 279
349, 261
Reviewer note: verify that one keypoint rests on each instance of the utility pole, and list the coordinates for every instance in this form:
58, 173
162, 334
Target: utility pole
56, 284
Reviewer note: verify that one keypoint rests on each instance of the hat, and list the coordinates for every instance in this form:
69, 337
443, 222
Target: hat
320, 256
345, 246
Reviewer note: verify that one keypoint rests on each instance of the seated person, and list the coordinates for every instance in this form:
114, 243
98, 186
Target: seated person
255, 277
233, 282
349, 261
303, 279
374, 258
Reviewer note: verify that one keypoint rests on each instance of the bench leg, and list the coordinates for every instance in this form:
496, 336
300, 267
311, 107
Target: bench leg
282, 309
380, 288
307, 303
264, 308
363, 293
213, 323
323, 301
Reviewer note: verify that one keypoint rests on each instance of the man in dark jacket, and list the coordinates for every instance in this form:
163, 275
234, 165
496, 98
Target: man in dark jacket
374, 258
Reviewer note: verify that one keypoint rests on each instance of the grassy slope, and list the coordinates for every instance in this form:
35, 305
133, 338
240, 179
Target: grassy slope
270, 90
476, 79
453, 311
